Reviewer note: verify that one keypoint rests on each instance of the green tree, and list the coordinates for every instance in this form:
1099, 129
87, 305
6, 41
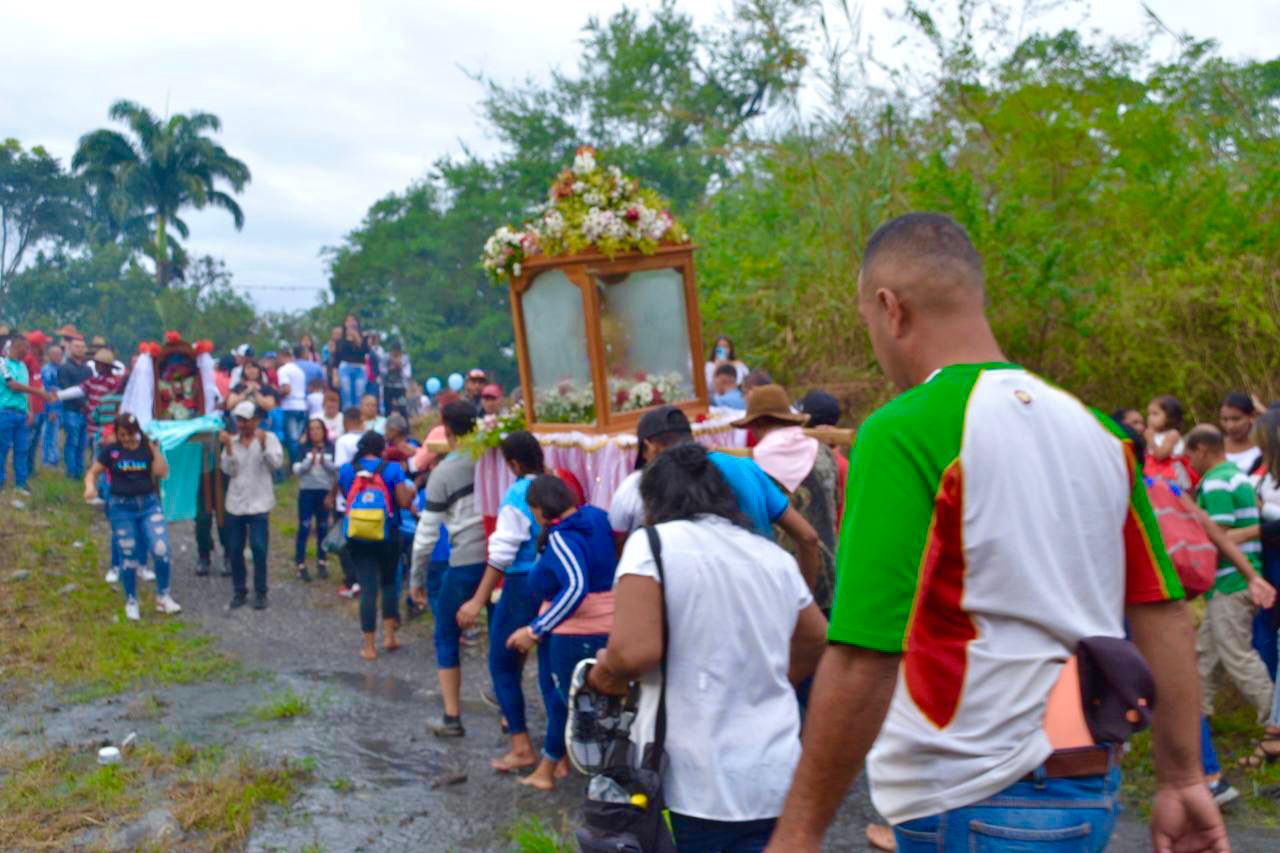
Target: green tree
165, 166
40, 205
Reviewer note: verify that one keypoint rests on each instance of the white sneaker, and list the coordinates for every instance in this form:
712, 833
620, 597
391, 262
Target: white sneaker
147, 575
166, 605
113, 575
131, 610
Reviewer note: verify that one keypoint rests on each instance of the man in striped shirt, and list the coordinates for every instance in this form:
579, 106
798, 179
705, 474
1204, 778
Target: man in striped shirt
1226, 634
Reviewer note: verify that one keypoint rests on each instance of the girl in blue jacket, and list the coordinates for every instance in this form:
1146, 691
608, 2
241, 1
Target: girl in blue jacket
573, 577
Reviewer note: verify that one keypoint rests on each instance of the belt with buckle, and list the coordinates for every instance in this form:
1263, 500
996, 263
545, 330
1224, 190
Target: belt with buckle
1076, 763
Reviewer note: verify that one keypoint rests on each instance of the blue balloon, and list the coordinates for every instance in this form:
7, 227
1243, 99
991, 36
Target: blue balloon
455, 381
433, 385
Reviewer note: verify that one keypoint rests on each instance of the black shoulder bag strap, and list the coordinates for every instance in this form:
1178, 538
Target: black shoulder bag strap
656, 749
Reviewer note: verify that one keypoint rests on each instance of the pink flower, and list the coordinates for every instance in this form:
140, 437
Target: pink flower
641, 376
632, 214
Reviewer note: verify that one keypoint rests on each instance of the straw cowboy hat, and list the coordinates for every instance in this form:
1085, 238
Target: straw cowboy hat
769, 401
105, 356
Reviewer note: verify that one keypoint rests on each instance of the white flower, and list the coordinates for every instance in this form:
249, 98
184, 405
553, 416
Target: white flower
593, 198
515, 269
584, 163
553, 223
579, 187
641, 394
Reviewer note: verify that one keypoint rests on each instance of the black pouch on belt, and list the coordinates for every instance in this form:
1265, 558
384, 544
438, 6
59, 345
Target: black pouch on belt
1117, 688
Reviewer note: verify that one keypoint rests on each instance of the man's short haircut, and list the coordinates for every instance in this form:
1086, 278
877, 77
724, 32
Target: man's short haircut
299, 351
930, 240
1206, 436
459, 417
728, 370
756, 378
351, 415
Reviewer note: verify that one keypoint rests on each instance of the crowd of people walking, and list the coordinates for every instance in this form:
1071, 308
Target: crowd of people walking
911, 604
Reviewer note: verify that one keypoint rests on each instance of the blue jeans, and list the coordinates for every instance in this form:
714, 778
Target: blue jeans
37, 431
138, 529
1264, 621
73, 425
49, 446
351, 383
702, 835
1039, 814
456, 588
294, 424
310, 506
558, 654
435, 582
1208, 755
516, 608
15, 435
254, 528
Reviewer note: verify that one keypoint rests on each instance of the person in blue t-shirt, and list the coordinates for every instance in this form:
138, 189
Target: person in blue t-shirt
724, 388
375, 561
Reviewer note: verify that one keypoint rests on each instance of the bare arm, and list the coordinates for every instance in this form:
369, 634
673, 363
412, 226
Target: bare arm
807, 643
91, 480
159, 465
635, 643
1164, 449
808, 550
1184, 813
1262, 592
850, 698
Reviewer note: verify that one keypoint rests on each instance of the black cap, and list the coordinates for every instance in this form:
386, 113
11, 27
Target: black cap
821, 407
660, 421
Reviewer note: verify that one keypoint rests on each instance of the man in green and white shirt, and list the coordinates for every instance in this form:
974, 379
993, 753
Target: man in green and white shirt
992, 521
1226, 633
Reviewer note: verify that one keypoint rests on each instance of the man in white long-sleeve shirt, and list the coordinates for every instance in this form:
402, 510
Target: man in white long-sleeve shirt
451, 501
249, 459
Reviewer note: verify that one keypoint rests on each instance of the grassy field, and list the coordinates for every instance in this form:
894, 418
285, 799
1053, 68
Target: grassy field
61, 624
63, 629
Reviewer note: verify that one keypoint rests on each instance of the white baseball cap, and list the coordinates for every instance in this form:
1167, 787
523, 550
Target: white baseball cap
245, 410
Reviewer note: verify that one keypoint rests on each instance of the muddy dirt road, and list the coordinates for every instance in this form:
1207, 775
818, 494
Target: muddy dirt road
380, 780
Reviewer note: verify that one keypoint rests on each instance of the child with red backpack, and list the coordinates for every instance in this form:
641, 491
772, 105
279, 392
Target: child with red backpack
375, 490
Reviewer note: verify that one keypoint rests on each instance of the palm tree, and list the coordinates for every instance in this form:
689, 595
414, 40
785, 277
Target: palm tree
167, 165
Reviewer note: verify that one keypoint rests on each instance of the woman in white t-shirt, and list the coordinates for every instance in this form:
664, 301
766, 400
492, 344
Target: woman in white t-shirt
743, 629
1235, 417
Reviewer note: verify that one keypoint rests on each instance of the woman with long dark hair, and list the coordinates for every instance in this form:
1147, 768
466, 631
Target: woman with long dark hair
350, 356
375, 559
513, 551
742, 628
135, 468
722, 352
316, 473
574, 577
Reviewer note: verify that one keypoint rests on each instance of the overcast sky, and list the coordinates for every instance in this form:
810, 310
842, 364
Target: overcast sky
333, 105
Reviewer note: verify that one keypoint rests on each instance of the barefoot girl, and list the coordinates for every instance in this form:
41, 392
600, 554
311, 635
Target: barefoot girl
574, 575
512, 553
375, 560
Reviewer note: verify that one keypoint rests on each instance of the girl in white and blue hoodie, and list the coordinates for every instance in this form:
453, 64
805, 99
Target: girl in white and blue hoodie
574, 579
513, 551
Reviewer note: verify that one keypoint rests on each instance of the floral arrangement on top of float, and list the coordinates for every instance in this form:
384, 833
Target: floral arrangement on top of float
590, 205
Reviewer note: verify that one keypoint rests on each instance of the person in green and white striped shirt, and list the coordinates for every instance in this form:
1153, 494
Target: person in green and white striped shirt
1226, 634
